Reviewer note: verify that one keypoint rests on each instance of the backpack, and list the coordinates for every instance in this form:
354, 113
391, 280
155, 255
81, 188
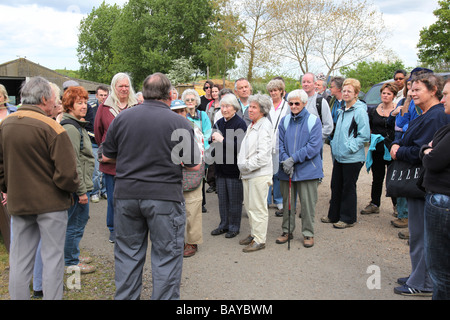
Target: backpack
76, 125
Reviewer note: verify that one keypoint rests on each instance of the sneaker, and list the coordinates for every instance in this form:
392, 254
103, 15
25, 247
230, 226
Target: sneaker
254, 246
85, 268
37, 294
400, 223
406, 290
95, 198
104, 196
85, 260
370, 209
342, 225
402, 281
326, 220
112, 237
189, 250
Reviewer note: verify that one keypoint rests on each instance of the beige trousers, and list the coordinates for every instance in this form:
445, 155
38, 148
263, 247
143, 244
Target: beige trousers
255, 202
194, 233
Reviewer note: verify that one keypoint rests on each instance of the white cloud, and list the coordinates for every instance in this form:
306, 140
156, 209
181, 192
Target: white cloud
42, 34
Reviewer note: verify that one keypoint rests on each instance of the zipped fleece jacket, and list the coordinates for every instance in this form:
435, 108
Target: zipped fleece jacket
352, 132
38, 168
303, 145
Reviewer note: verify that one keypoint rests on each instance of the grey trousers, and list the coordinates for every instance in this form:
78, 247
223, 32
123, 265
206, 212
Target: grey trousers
133, 221
50, 228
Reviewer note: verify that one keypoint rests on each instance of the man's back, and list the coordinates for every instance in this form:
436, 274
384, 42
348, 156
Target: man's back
140, 139
37, 162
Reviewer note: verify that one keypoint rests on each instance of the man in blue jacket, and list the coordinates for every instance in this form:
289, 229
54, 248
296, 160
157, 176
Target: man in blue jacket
300, 135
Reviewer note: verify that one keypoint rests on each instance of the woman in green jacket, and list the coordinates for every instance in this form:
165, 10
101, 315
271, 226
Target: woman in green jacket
75, 108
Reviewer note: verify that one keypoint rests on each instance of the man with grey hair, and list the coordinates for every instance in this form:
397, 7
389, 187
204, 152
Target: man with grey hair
148, 191
336, 101
38, 171
317, 105
243, 90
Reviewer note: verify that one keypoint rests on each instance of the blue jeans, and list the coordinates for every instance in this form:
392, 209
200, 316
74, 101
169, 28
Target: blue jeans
277, 197
97, 178
78, 218
110, 183
437, 243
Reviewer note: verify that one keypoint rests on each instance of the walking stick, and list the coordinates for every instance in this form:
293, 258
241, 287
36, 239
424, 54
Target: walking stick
289, 221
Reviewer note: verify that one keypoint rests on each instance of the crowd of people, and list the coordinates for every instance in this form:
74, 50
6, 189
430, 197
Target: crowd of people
252, 149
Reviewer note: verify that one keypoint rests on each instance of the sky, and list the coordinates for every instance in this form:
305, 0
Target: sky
46, 32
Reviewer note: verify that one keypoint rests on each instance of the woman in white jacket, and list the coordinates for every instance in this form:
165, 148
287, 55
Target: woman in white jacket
255, 165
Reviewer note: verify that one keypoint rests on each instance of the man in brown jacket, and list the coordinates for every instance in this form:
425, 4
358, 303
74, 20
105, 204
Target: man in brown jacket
38, 172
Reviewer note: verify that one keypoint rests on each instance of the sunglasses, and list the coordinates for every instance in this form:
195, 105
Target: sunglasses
206, 88
296, 103
397, 79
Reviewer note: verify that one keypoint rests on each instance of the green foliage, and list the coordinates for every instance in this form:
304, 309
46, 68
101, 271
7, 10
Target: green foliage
94, 43
370, 73
143, 37
434, 43
182, 71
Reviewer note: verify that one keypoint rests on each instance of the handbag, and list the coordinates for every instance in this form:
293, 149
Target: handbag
403, 180
193, 179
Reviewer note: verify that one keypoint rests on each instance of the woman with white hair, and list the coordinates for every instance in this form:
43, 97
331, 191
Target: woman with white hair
255, 165
226, 139
192, 100
300, 135
122, 97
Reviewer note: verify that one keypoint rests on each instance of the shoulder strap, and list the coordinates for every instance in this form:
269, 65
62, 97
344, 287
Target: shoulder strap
319, 106
76, 125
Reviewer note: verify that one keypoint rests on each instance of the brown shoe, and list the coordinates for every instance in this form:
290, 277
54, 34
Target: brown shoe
404, 234
308, 242
400, 223
254, 246
189, 250
246, 241
370, 209
284, 238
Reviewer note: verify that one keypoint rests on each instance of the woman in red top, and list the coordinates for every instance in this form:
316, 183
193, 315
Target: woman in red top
122, 97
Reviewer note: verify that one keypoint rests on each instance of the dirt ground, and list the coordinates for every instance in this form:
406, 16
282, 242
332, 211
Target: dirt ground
358, 263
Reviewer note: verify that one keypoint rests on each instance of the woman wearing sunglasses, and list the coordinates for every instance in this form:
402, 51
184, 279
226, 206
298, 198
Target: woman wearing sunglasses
300, 137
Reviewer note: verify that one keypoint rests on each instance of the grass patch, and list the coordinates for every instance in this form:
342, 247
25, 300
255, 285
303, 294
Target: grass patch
95, 286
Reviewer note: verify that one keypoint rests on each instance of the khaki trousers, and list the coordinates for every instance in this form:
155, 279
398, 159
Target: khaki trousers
193, 199
307, 192
255, 202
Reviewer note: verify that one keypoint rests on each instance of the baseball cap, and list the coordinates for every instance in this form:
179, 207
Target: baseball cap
177, 104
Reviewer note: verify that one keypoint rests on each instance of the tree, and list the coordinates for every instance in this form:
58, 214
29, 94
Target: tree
261, 29
370, 73
150, 34
329, 33
225, 43
434, 43
182, 71
94, 49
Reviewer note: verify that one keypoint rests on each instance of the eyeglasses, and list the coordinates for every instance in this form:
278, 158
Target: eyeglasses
189, 100
399, 79
296, 103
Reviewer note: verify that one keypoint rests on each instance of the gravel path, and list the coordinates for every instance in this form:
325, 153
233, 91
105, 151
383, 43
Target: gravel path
335, 268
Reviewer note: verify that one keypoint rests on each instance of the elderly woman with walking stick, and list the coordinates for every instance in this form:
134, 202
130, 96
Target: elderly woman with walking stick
300, 135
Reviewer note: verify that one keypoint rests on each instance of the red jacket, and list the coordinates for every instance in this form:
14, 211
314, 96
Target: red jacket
103, 119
